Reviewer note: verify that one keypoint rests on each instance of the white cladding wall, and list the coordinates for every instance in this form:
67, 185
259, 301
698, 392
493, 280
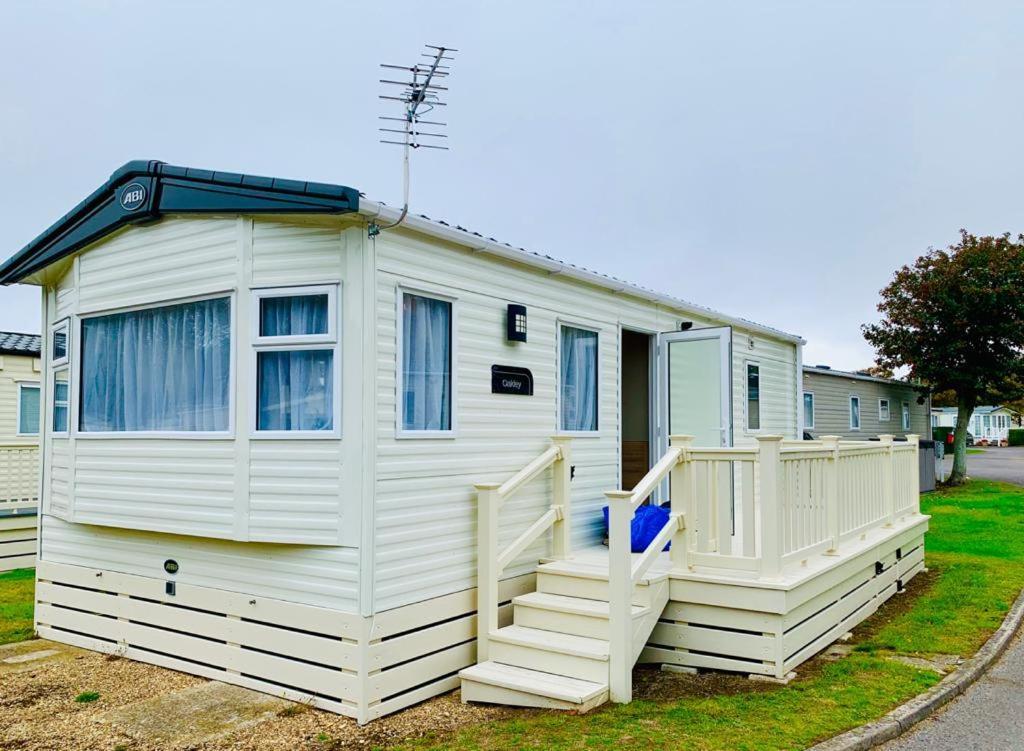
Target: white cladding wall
425, 506
139, 501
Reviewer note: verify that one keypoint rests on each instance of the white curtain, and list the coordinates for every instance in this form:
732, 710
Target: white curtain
426, 363
293, 316
158, 369
295, 386
295, 390
579, 379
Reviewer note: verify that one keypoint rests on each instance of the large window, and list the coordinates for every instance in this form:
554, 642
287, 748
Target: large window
884, 413
854, 412
159, 369
296, 341
28, 409
753, 396
426, 364
578, 379
808, 409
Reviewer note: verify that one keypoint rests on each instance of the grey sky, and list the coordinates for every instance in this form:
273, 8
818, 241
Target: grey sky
775, 161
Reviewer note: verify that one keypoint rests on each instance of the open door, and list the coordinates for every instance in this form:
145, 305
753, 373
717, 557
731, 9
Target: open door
696, 386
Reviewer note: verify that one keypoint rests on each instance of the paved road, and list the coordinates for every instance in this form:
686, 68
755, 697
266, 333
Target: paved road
1005, 464
990, 715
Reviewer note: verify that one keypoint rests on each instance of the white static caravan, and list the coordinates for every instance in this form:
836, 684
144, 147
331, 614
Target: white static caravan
296, 447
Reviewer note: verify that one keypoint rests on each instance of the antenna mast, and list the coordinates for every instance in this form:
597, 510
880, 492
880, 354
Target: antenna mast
419, 96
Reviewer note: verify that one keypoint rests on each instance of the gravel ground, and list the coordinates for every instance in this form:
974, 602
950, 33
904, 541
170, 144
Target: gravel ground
38, 711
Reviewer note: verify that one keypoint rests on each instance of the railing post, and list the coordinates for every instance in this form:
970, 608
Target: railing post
888, 481
620, 596
561, 533
486, 566
682, 501
768, 462
832, 492
915, 477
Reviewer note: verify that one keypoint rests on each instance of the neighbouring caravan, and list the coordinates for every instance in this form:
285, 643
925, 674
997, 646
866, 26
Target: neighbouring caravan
19, 448
296, 445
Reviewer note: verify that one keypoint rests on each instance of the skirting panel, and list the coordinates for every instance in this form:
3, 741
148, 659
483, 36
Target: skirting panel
361, 667
699, 635
18, 541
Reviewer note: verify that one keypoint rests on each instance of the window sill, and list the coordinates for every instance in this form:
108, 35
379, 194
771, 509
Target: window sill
433, 435
292, 435
157, 435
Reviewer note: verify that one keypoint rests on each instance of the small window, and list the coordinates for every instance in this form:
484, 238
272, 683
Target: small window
426, 364
28, 409
578, 377
854, 413
296, 341
906, 415
60, 401
294, 315
753, 396
883, 410
808, 409
59, 343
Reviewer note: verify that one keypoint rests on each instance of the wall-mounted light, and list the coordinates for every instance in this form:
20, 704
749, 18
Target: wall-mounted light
685, 325
515, 323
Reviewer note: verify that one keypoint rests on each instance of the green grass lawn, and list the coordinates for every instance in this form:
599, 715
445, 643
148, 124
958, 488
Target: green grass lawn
16, 594
975, 451
975, 551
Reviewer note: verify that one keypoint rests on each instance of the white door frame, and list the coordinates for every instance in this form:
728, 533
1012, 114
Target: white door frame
724, 335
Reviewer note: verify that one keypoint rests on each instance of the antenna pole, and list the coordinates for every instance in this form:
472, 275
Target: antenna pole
416, 93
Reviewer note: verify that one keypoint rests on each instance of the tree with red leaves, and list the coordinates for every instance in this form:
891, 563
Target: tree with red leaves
955, 319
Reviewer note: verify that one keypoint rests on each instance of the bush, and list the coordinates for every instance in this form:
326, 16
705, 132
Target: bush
1017, 436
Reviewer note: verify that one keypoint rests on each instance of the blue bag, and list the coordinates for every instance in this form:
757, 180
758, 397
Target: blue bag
647, 523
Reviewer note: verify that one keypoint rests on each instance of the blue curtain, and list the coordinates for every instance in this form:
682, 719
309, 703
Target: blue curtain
579, 379
293, 316
295, 390
158, 369
426, 363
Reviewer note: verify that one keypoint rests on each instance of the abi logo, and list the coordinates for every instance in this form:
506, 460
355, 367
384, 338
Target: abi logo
133, 196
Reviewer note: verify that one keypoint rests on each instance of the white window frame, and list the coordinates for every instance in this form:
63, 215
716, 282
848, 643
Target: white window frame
74, 419
574, 324
860, 415
813, 405
746, 397
329, 341
885, 416
905, 415
401, 290
64, 323
17, 425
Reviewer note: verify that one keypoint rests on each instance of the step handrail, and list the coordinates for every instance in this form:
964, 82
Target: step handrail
623, 573
492, 562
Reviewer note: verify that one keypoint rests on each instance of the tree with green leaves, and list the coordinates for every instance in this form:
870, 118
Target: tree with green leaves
955, 320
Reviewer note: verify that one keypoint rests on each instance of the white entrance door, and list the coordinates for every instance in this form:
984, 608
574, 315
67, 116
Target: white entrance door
696, 386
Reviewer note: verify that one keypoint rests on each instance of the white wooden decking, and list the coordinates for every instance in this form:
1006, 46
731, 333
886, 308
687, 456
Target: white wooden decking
823, 533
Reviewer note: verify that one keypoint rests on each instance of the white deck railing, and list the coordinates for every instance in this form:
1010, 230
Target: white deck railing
491, 561
19, 474
753, 510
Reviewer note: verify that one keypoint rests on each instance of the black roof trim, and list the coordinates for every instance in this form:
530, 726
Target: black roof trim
159, 188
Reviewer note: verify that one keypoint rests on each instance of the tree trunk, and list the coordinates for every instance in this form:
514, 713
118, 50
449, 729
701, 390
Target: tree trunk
964, 409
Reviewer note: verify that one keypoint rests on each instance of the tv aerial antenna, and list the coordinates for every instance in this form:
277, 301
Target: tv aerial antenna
420, 94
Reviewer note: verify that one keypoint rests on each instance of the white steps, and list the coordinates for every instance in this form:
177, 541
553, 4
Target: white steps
556, 653
495, 683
